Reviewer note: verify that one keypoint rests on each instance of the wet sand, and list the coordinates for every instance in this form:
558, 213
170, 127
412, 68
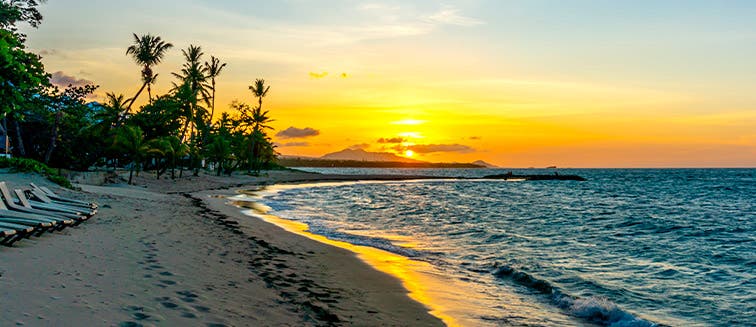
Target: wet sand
174, 253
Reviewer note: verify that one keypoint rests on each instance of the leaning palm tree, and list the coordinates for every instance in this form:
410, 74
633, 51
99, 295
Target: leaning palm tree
213, 69
147, 51
260, 90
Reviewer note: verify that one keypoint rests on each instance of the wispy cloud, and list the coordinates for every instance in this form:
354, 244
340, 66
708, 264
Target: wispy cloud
361, 146
391, 140
431, 148
61, 79
293, 132
377, 21
449, 15
48, 52
379, 7
292, 144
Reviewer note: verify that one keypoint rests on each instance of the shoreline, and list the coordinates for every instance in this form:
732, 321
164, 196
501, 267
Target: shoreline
422, 282
173, 252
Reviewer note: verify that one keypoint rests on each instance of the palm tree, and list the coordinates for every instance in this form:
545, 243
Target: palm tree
260, 120
130, 140
213, 69
116, 109
170, 148
147, 50
192, 79
260, 90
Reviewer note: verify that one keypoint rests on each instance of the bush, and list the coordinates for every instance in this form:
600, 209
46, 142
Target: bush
24, 165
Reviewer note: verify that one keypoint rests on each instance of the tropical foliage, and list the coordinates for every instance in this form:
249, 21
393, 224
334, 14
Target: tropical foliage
171, 132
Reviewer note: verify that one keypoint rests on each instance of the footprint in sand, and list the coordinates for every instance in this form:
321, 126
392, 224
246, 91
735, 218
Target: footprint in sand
140, 316
201, 308
137, 313
169, 305
168, 282
188, 315
187, 296
130, 324
166, 273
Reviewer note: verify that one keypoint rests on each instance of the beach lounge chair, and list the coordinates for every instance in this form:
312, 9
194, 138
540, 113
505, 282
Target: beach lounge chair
20, 229
14, 232
22, 200
57, 222
39, 225
63, 218
36, 199
38, 194
7, 235
54, 196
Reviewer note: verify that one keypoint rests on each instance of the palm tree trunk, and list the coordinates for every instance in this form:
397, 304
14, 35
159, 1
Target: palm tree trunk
131, 102
19, 139
183, 133
53, 137
212, 110
131, 174
149, 92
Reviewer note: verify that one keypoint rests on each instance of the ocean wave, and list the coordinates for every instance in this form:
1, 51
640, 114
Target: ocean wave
375, 242
596, 309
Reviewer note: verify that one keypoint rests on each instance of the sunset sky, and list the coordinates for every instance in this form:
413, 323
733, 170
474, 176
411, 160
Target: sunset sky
514, 83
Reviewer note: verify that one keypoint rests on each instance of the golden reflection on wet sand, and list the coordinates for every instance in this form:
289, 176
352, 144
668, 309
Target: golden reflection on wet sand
423, 282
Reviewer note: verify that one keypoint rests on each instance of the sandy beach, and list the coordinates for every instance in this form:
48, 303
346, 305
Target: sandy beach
175, 253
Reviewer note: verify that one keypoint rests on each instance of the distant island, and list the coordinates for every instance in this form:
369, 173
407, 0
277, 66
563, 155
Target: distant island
358, 158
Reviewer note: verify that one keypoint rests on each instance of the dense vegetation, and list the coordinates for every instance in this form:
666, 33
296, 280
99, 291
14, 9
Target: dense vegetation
169, 134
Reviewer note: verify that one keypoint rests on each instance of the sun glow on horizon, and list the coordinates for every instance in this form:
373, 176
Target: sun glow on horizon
409, 153
408, 122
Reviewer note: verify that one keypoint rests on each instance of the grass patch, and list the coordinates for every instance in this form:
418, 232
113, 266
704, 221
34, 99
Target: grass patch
24, 165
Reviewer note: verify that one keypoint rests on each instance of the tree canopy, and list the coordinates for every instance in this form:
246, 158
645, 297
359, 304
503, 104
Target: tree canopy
64, 127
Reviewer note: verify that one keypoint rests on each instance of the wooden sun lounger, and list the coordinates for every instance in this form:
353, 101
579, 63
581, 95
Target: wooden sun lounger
42, 197
24, 230
14, 232
8, 198
63, 218
7, 235
54, 196
40, 226
57, 222
33, 198
22, 200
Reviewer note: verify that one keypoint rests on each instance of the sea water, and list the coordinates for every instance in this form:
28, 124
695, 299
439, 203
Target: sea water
628, 247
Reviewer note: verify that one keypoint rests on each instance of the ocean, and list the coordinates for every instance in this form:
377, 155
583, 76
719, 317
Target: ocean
628, 247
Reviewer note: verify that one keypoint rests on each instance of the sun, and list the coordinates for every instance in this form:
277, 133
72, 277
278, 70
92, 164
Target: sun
409, 153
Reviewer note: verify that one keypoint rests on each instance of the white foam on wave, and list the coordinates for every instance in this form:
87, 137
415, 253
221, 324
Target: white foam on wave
601, 310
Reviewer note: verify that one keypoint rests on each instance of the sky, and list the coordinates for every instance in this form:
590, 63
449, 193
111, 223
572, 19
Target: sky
515, 83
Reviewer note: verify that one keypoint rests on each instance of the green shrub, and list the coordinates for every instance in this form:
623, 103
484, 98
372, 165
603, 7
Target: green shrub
24, 165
